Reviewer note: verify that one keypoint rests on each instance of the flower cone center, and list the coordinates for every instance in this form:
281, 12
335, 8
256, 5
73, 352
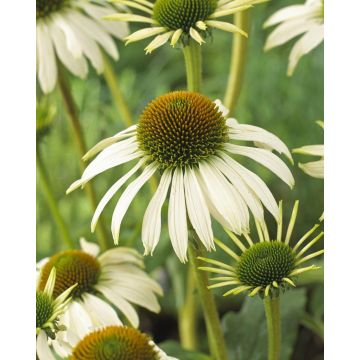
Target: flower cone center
115, 343
72, 266
46, 7
182, 14
181, 128
44, 309
264, 263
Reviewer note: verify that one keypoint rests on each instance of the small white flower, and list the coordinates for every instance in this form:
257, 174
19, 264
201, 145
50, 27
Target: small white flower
48, 313
174, 20
313, 168
185, 136
306, 20
117, 342
70, 31
113, 277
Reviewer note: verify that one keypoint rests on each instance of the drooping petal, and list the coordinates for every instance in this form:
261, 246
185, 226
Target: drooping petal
313, 168
42, 347
89, 247
127, 197
197, 209
144, 34
151, 227
178, 230
158, 41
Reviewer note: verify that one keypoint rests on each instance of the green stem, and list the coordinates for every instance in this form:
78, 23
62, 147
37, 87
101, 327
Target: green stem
272, 311
116, 92
238, 60
81, 146
51, 200
193, 64
212, 320
188, 315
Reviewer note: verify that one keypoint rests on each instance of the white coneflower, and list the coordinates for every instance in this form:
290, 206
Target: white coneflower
48, 312
176, 20
115, 275
267, 266
117, 342
70, 31
185, 136
313, 168
306, 20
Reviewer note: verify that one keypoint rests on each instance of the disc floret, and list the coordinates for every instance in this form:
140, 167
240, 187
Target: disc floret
265, 267
45, 8
72, 266
115, 342
181, 128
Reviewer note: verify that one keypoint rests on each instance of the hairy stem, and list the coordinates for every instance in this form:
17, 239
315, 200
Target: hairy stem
212, 320
188, 314
116, 92
238, 59
81, 147
272, 311
51, 200
193, 64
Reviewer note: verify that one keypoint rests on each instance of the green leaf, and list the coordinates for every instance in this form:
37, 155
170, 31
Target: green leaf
172, 348
245, 331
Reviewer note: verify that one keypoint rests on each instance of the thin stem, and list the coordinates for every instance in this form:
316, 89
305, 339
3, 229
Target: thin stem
212, 320
51, 200
81, 146
116, 92
188, 314
193, 64
272, 311
238, 59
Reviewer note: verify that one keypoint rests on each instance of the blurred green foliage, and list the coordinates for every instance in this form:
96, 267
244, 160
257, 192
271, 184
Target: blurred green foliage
288, 107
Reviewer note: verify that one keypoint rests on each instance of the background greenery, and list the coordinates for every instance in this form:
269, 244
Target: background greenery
285, 106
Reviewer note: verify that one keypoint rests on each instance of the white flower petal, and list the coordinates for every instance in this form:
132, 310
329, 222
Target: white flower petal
314, 168
196, 36
223, 109
197, 209
77, 65
89, 247
177, 216
102, 313
225, 26
111, 192
124, 306
120, 255
303, 46
42, 347
127, 197
79, 322
158, 41
144, 34
287, 13
314, 150
265, 158
151, 226
47, 69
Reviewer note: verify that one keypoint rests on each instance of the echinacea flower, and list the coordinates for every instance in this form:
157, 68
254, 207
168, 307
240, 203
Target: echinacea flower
186, 138
183, 20
313, 168
69, 31
113, 277
267, 266
295, 20
117, 342
48, 312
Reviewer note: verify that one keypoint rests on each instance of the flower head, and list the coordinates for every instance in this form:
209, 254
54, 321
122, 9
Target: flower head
115, 275
187, 139
69, 31
181, 20
117, 342
267, 266
49, 308
295, 20
313, 168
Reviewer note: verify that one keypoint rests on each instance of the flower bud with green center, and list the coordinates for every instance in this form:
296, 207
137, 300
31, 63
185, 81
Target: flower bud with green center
44, 308
181, 128
115, 343
182, 14
45, 8
72, 266
264, 263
